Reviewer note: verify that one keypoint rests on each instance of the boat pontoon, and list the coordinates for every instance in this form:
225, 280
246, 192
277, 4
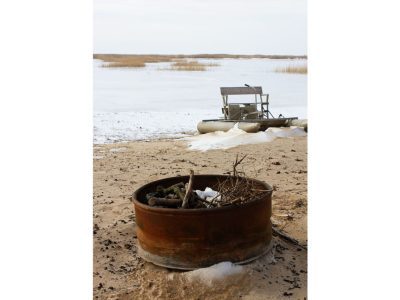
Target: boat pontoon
251, 116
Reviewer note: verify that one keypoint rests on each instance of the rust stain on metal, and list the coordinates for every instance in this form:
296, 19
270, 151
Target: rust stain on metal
194, 238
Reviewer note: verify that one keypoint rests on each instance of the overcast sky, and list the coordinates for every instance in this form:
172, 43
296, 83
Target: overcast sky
200, 26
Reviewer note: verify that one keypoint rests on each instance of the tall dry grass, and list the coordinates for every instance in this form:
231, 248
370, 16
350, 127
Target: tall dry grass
293, 69
129, 61
140, 60
244, 56
190, 65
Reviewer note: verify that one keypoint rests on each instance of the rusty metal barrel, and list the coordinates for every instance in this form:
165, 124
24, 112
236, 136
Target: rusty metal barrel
195, 238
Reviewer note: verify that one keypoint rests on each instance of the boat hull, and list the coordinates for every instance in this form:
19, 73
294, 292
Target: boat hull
212, 126
252, 126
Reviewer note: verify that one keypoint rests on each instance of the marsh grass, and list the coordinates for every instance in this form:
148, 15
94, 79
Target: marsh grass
140, 60
124, 64
190, 65
293, 69
130, 61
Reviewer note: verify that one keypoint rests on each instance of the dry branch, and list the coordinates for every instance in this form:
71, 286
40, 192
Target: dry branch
185, 202
236, 163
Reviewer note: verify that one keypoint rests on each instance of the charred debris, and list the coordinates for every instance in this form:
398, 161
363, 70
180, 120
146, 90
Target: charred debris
236, 189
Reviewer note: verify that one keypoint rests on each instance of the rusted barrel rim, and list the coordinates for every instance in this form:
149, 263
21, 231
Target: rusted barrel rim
268, 189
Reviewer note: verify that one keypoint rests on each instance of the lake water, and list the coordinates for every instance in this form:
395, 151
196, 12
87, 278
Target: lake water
151, 102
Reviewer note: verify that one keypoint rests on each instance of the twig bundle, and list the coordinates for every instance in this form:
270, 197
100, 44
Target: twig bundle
236, 189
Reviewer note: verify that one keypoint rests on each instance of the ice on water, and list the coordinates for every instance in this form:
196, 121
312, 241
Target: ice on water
148, 103
235, 137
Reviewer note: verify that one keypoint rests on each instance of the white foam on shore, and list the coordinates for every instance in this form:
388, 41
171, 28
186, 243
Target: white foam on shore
235, 137
214, 273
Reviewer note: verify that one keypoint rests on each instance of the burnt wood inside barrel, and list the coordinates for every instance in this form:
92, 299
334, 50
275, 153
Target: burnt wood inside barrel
195, 238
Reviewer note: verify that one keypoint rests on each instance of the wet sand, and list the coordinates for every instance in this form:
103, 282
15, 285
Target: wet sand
119, 169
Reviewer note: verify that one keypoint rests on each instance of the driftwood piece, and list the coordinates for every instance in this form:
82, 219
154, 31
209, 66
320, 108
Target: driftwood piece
154, 201
287, 238
185, 202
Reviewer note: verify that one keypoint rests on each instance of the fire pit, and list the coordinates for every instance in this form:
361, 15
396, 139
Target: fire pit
194, 238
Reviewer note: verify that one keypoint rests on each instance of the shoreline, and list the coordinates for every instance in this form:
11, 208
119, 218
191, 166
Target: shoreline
155, 139
182, 135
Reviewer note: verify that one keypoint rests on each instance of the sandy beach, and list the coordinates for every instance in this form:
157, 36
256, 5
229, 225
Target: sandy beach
119, 169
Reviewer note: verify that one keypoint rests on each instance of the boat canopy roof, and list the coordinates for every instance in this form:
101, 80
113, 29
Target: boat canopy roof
241, 90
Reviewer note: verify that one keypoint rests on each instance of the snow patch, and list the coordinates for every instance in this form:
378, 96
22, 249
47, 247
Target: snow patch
214, 273
129, 126
235, 137
284, 132
118, 149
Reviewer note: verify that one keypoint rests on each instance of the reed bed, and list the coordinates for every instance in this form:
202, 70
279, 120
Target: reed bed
190, 65
130, 61
140, 60
125, 64
293, 69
